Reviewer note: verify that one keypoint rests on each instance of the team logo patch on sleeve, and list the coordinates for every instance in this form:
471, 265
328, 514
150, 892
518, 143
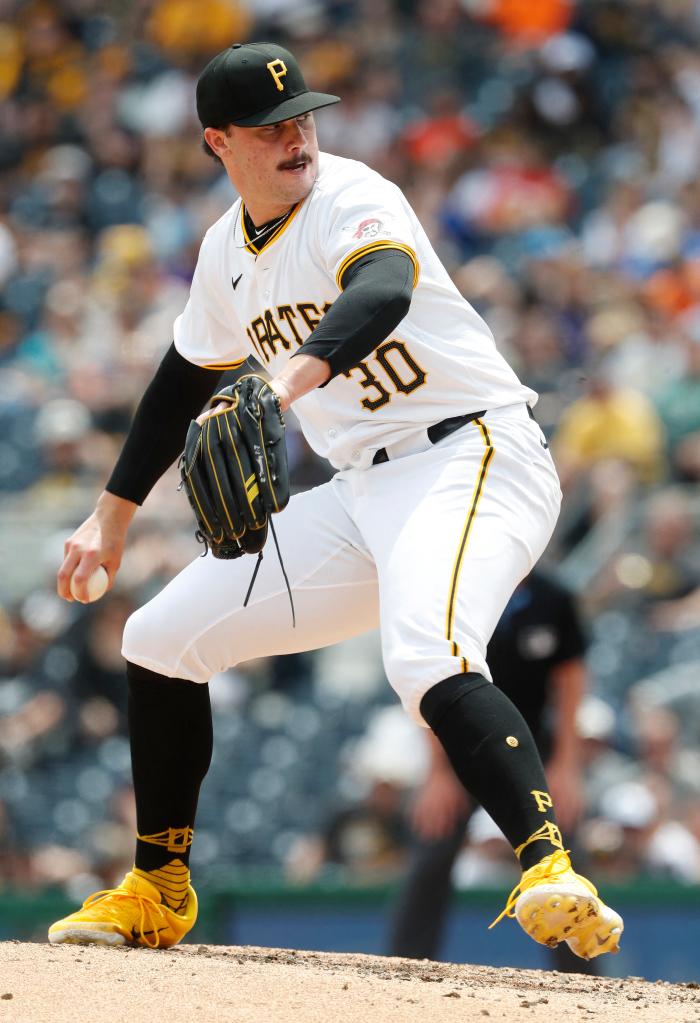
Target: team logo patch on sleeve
369, 228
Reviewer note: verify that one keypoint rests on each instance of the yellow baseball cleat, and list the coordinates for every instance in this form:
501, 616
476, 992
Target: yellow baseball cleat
553, 904
131, 914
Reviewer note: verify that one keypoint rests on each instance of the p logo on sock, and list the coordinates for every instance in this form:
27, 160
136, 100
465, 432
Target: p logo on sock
543, 800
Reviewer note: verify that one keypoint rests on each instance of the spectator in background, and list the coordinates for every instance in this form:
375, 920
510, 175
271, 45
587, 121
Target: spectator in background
528, 25
368, 840
368, 124
668, 764
61, 430
97, 683
140, 300
32, 711
678, 615
513, 190
365, 843
187, 29
608, 422
644, 820
536, 657
658, 568
678, 406
437, 140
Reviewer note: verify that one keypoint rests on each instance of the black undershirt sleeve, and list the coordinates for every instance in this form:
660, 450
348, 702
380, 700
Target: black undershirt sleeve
173, 398
376, 296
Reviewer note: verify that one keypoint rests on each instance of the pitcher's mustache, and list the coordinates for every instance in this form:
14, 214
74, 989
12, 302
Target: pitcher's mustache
289, 164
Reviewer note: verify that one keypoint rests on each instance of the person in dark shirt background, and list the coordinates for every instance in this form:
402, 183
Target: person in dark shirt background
536, 657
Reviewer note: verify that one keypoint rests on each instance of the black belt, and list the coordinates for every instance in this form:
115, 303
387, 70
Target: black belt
436, 433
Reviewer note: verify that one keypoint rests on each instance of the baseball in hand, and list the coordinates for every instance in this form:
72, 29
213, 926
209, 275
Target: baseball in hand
96, 585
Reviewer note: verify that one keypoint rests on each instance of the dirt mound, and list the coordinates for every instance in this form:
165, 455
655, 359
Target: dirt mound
211, 984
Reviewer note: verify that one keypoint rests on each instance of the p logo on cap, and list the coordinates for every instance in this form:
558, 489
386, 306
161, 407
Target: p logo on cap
277, 69
242, 86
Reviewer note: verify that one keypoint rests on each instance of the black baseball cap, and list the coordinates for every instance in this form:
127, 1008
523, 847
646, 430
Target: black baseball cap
251, 84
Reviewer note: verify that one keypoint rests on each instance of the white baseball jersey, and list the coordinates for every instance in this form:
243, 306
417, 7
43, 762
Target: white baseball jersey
440, 361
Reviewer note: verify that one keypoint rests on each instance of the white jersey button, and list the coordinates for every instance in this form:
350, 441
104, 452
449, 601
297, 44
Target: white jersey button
332, 433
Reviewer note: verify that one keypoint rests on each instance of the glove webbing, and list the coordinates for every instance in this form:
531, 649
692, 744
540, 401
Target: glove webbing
284, 573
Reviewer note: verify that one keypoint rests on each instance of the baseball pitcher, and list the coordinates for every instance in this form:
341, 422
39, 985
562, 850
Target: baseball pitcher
444, 497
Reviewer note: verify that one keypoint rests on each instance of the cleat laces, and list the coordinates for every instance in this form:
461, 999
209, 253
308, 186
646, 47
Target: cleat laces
549, 868
150, 912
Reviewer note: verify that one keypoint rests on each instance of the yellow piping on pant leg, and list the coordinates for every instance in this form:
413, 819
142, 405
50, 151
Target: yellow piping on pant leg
464, 539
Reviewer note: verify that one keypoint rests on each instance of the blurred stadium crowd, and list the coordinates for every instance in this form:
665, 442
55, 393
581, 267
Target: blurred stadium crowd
551, 150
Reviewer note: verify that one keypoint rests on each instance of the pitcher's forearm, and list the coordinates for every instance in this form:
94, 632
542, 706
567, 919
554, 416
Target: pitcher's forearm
301, 375
115, 512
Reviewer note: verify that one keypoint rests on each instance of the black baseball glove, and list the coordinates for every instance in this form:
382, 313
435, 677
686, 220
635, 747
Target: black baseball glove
234, 468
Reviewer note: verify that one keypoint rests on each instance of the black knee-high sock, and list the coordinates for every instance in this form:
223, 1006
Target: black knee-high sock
171, 745
494, 755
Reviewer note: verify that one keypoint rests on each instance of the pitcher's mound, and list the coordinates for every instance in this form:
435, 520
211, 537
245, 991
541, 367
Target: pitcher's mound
213, 984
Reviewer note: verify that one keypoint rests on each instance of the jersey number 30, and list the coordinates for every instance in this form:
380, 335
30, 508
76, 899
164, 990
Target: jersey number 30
397, 365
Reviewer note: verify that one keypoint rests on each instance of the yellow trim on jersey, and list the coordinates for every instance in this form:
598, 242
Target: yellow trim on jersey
464, 539
225, 365
252, 247
364, 250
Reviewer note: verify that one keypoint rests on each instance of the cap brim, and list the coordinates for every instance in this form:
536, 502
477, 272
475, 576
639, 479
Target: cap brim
293, 107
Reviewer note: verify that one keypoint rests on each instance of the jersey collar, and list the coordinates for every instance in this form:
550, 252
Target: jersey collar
251, 246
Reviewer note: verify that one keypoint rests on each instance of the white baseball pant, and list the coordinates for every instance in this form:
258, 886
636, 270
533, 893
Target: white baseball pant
429, 546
